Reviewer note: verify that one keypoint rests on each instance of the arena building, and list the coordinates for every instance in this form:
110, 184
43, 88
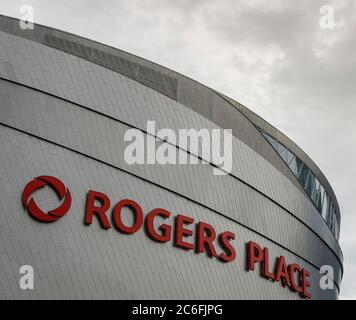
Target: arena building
91, 225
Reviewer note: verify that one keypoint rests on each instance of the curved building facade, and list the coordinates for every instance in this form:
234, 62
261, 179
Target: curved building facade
262, 230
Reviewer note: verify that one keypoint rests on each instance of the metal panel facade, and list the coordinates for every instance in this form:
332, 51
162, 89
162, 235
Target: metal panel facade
64, 116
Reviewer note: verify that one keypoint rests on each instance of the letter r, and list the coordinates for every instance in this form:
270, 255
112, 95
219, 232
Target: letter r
100, 212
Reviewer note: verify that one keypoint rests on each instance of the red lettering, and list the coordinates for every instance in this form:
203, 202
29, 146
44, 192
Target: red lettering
305, 284
265, 273
291, 275
181, 232
292, 268
255, 254
138, 216
282, 271
98, 204
100, 212
205, 237
165, 228
224, 240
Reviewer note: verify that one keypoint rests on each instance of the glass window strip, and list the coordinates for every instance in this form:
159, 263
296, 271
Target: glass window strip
309, 182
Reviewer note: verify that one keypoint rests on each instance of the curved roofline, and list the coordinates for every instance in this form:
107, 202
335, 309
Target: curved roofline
249, 114
289, 143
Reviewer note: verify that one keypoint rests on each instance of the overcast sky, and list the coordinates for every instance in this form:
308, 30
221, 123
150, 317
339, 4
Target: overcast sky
271, 56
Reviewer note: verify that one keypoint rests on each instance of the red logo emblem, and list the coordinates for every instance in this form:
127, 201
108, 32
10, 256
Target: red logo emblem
34, 211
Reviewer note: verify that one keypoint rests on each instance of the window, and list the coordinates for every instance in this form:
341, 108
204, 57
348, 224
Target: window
310, 186
303, 175
290, 157
325, 205
329, 212
320, 193
280, 148
309, 182
293, 166
299, 164
317, 190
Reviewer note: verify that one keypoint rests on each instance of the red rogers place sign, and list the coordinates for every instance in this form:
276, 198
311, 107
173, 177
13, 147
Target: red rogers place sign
184, 232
